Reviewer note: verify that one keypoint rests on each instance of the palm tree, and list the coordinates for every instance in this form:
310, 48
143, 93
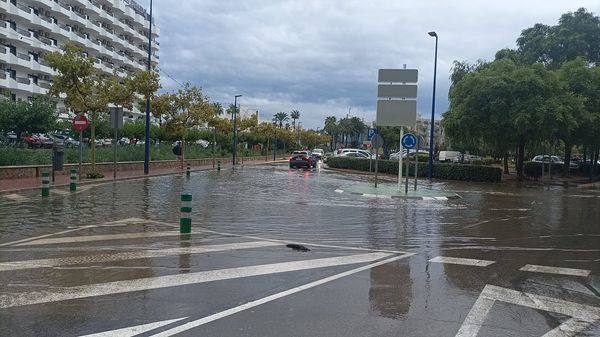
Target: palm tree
331, 128
280, 117
218, 108
295, 114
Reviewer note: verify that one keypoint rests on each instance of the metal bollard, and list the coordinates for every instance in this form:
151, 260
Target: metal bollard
219, 165
185, 220
188, 171
73, 184
45, 184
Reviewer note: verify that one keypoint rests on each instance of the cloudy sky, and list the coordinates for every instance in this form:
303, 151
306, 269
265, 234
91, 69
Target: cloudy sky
321, 57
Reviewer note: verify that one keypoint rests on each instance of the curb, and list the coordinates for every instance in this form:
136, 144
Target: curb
368, 195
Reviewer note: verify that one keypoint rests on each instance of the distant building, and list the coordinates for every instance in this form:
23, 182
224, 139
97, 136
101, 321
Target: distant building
114, 33
423, 128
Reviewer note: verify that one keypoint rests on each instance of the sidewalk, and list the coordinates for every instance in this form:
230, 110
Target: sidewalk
25, 184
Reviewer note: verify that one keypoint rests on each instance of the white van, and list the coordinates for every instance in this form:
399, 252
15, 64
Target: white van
449, 156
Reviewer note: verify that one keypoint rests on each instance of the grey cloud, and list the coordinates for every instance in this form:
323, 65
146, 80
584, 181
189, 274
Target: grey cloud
322, 56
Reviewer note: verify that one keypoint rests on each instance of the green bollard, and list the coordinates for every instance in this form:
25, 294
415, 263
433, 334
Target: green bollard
188, 171
185, 220
45, 184
73, 184
219, 165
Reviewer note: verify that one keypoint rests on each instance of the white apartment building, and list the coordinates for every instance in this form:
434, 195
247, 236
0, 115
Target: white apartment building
113, 32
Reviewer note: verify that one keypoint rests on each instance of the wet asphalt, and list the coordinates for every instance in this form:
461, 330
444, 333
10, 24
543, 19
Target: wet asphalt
74, 270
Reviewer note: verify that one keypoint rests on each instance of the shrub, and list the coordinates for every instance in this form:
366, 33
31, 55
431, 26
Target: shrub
440, 170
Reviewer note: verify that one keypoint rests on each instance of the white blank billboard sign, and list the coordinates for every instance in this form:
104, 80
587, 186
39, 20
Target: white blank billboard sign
398, 75
396, 113
397, 91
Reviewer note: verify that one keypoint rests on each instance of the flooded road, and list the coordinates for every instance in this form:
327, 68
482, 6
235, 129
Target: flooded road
109, 261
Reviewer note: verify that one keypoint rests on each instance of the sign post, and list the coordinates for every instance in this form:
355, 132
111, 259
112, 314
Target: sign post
377, 143
80, 123
370, 134
397, 104
409, 141
116, 122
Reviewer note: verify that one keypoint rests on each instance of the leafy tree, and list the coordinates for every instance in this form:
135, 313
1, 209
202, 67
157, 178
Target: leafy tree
576, 35
190, 108
280, 117
294, 114
38, 115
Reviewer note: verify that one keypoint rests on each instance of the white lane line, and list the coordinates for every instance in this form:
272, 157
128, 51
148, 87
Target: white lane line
569, 328
45, 236
555, 270
100, 258
16, 197
339, 191
253, 237
134, 330
584, 315
118, 287
460, 260
255, 303
103, 237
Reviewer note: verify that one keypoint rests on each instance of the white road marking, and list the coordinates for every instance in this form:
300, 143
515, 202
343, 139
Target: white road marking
8, 300
581, 315
16, 197
255, 303
134, 330
100, 258
460, 260
253, 237
339, 191
569, 328
104, 237
555, 270
45, 236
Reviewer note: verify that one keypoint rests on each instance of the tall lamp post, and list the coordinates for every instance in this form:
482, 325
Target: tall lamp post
235, 108
149, 67
430, 165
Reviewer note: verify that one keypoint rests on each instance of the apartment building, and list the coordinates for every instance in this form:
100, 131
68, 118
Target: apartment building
113, 32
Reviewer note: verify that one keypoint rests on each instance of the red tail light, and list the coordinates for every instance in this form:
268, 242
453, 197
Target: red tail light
306, 158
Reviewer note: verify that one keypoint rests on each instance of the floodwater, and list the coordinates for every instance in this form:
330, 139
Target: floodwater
505, 260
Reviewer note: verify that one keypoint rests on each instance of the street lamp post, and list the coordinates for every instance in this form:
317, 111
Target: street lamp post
234, 150
430, 165
149, 67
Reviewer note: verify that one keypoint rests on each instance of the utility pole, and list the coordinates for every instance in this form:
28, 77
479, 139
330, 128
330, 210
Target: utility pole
149, 68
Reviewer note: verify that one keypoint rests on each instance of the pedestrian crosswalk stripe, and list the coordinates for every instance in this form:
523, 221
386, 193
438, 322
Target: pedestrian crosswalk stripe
555, 270
581, 315
255, 303
8, 300
104, 237
135, 330
100, 258
460, 260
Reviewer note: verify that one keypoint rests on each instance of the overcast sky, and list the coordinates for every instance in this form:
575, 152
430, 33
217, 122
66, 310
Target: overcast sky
321, 57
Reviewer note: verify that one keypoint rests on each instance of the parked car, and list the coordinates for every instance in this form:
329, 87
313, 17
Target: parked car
354, 154
448, 156
203, 143
302, 159
573, 165
124, 141
319, 153
32, 141
341, 152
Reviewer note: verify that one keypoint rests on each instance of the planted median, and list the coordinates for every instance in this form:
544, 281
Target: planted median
440, 170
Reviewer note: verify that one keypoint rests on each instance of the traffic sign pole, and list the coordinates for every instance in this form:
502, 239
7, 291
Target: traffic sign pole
417, 161
400, 159
80, 152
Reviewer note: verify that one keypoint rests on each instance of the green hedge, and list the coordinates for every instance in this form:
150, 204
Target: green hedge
534, 169
440, 170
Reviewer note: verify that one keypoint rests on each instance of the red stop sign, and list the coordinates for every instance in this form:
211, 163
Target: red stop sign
80, 123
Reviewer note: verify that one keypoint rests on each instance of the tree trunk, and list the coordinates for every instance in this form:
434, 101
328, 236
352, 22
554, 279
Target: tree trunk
568, 149
505, 159
520, 157
93, 142
182, 153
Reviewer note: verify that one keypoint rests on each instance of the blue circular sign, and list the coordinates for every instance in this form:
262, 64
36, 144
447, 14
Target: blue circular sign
409, 141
